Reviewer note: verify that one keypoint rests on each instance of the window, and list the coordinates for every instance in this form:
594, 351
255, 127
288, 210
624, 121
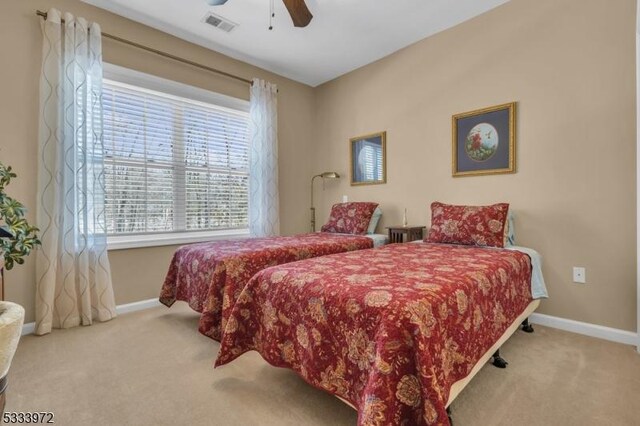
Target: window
173, 165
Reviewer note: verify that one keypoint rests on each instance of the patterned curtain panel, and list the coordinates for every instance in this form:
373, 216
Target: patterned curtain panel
264, 215
72, 271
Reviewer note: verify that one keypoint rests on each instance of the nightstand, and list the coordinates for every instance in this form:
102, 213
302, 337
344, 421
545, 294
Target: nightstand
397, 233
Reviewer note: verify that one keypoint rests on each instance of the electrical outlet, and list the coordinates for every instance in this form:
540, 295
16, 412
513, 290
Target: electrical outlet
579, 275
345, 199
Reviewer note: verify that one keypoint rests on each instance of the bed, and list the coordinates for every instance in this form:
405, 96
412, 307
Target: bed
210, 276
395, 332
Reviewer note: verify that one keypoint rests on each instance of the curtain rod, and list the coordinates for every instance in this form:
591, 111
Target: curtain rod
163, 54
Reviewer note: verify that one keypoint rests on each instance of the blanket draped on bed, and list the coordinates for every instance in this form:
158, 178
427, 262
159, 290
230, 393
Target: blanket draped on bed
389, 330
210, 276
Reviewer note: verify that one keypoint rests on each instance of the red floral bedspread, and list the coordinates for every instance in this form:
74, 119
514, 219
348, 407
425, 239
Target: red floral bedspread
389, 330
210, 276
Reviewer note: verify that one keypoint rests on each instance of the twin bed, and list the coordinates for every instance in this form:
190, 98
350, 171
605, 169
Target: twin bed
210, 276
395, 332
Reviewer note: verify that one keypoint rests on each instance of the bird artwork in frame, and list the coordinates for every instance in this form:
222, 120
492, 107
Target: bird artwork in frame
484, 141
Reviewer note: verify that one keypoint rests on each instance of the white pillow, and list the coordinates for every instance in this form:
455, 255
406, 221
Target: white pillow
510, 229
375, 218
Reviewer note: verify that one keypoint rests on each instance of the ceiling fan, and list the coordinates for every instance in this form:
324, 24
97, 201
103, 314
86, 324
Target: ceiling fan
297, 9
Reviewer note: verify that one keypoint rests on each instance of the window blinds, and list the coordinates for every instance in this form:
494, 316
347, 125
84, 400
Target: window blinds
173, 164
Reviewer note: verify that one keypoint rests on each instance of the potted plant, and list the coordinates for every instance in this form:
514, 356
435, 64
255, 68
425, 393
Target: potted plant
17, 239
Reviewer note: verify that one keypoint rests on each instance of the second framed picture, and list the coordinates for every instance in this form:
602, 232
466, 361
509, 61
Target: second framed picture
368, 159
484, 141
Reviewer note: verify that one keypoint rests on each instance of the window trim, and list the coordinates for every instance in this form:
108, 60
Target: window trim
122, 242
140, 80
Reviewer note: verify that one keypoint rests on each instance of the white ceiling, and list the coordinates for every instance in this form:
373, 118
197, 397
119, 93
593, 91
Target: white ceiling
343, 35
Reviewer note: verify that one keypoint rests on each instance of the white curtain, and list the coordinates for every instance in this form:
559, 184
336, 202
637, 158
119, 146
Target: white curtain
264, 216
72, 268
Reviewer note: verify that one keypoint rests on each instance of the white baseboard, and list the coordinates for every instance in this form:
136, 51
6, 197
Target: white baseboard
137, 306
28, 328
587, 329
127, 308
593, 330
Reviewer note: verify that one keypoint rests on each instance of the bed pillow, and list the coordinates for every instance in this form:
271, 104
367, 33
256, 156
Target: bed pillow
350, 218
468, 225
375, 218
510, 230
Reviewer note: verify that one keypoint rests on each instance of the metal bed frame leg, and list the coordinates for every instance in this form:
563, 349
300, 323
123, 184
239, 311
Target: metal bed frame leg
526, 327
498, 361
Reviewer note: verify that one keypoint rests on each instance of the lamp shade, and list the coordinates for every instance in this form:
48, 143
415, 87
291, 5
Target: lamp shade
216, 2
330, 175
5, 234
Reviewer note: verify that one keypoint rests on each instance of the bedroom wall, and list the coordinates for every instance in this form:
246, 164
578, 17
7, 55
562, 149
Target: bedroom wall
570, 65
137, 273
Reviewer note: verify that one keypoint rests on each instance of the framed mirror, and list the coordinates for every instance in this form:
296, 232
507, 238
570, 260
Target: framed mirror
368, 159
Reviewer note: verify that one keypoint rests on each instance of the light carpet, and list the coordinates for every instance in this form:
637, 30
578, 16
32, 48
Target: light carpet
154, 368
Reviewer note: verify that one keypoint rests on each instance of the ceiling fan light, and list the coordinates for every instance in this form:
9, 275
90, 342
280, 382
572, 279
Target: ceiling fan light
216, 2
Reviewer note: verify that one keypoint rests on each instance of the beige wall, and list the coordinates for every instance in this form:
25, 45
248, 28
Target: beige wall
138, 273
570, 65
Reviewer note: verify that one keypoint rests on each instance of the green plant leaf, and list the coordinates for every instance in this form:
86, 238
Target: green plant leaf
12, 212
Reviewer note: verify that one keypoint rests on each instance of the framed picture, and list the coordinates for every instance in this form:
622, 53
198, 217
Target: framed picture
368, 159
484, 141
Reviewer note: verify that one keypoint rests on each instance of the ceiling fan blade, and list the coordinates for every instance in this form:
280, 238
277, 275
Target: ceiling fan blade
299, 12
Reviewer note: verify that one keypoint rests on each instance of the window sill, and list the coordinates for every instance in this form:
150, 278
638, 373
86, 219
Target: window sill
157, 240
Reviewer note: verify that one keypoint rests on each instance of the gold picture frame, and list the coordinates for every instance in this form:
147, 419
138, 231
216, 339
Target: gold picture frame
478, 146
368, 159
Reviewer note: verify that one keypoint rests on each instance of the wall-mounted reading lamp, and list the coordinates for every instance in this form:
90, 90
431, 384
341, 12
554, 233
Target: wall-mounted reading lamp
325, 175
